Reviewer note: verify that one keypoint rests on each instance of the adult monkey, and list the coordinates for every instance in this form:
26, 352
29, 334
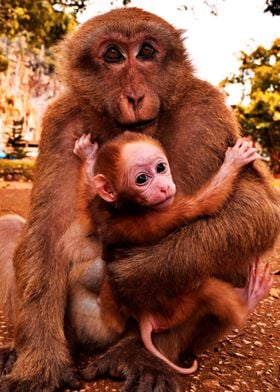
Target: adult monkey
128, 70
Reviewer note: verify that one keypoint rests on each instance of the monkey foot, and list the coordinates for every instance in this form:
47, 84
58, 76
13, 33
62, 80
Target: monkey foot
69, 380
130, 361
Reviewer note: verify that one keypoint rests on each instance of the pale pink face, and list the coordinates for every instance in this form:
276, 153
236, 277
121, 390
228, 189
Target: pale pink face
148, 174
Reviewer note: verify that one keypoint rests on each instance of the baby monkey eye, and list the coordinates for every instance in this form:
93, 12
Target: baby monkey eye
161, 167
113, 55
141, 179
146, 52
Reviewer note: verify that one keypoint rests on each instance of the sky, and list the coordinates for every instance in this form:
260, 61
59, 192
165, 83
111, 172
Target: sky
213, 42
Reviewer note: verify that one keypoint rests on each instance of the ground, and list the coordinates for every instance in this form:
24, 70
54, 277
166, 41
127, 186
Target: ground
246, 361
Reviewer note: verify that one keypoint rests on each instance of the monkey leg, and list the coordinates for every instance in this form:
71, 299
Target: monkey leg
130, 360
11, 230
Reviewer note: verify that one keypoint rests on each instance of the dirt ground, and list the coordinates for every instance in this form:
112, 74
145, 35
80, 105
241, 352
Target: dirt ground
246, 361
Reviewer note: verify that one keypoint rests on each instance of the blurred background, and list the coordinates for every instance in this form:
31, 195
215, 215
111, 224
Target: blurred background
234, 44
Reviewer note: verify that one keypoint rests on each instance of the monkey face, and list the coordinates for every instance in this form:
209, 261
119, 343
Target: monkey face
128, 69
148, 176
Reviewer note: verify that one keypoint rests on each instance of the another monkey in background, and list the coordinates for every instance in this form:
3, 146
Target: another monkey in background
135, 202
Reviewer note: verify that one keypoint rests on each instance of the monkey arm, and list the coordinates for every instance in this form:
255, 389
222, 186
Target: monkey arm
210, 197
86, 193
152, 225
40, 263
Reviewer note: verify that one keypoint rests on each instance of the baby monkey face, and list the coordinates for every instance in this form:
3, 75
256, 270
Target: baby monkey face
148, 174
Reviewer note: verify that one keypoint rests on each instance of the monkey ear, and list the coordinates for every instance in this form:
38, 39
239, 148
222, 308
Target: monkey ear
104, 189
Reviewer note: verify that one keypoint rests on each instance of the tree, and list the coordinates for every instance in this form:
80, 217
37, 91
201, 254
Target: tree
259, 109
273, 6
41, 21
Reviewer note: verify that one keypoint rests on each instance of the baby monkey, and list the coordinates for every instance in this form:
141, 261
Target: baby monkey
133, 201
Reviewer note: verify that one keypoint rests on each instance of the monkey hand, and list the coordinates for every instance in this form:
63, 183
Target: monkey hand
240, 154
142, 371
85, 149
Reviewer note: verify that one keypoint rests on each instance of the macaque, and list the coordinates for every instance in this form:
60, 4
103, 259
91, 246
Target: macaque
129, 70
131, 175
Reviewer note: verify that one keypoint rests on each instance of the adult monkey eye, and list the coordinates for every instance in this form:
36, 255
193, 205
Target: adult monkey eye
113, 55
146, 52
141, 179
161, 167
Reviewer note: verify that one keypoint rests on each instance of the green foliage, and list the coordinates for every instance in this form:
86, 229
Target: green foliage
273, 6
16, 169
40, 21
259, 109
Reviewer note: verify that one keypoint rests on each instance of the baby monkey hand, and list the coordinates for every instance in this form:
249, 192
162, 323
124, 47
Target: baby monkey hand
240, 154
85, 149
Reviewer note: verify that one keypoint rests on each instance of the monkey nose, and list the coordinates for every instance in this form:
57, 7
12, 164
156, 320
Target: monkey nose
135, 100
164, 188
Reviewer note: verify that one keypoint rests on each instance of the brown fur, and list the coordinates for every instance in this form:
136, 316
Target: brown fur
195, 128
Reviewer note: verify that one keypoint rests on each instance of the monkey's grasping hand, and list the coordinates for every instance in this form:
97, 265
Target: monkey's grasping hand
240, 154
85, 149
258, 285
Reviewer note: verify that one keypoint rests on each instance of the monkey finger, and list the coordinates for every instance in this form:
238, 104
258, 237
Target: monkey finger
244, 147
131, 381
266, 274
249, 152
102, 366
252, 158
84, 136
229, 149
87, 140
70, 378
253, 277
88, 137
91, 372
238, 143
95, 146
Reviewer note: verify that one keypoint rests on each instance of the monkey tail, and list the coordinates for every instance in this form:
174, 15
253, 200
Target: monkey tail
11, 228
146, 330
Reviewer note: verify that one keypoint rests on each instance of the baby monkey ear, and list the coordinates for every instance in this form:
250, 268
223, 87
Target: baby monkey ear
104, 188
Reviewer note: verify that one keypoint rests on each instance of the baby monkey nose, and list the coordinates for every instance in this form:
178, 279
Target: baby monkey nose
164, 187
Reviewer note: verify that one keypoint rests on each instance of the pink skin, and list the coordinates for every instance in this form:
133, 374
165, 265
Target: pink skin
149, 324
258, 286
144, 159
240, 154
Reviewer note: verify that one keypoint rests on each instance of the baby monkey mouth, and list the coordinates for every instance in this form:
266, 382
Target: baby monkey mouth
164, 203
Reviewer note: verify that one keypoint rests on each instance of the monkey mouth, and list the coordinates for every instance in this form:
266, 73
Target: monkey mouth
139, 125
164, 203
